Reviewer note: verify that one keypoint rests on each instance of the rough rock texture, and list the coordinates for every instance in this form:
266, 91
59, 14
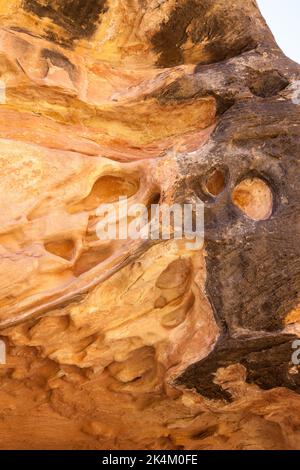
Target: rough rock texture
129, 345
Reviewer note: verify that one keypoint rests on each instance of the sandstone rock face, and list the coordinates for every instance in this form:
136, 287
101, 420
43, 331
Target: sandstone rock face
147, 344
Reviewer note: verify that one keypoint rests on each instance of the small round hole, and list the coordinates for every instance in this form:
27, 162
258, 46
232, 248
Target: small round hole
254, 198
215, 182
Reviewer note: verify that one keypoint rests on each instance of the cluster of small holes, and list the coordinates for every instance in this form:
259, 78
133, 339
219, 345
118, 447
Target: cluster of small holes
252, 196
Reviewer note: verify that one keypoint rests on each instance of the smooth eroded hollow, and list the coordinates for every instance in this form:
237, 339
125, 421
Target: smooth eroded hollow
106, 189
62, 248
91, 258
215, 182
254, 198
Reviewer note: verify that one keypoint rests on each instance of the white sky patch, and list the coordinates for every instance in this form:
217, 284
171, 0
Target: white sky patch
283, 19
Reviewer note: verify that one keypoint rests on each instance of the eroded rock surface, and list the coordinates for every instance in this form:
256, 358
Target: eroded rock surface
147, 344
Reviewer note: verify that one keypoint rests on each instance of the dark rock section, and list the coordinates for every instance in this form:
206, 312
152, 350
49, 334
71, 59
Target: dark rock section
267, 84
208, 24
266, 359
253, 267
78, 17
62, 61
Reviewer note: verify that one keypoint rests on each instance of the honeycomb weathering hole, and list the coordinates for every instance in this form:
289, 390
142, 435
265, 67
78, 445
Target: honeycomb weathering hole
254, 198
91, 258
215, 182
106, 189
62, 248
